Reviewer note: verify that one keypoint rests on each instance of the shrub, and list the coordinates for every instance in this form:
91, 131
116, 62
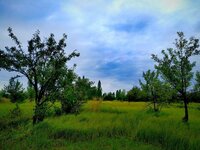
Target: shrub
16, 112
57, 111
71, 106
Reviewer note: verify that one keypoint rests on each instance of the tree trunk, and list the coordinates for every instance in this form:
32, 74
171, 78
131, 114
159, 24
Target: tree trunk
155, 104
37, 119
38, 114
185, 118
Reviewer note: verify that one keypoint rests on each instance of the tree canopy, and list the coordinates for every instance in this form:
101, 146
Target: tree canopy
41, 63
176, 67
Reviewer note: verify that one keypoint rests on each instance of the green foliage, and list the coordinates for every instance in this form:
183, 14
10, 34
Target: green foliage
15, 112
197, 85
175, 66
1, 95
136, 94
42, 64
40, 111
154, 89
71, 102
75, 90
30, 92
57, 110
85, 88
109, 96
14, 90
117, 125
194, 96
99, 89
120, 95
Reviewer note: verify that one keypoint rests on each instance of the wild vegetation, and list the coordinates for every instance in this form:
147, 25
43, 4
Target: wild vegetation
56, 100
102, 125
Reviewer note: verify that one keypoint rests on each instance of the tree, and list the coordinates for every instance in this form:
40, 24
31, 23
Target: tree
99, 90
120, 94
84, 87
68, 95
136, 94
194, 95
109, 96
151, 86
42, 64
197, 85
176, 67
1, 94
14, 90
75, 91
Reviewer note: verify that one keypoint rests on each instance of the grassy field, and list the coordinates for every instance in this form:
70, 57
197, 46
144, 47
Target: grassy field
103, 125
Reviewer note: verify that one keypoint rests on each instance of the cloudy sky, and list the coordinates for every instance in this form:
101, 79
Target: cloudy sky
114, 37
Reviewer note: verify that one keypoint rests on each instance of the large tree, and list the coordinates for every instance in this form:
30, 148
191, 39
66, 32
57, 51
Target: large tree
41, 63
176, 66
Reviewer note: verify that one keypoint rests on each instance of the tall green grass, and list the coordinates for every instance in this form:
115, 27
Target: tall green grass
104, 125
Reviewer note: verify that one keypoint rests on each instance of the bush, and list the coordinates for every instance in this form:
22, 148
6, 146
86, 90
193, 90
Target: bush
71, 106
57, 111
16, 112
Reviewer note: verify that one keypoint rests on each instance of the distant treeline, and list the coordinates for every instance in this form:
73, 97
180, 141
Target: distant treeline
136, 95
88, 91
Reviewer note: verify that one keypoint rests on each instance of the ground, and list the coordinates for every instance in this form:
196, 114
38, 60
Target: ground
102, 125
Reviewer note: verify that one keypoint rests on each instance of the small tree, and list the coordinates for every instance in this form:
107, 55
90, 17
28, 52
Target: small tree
151, 86
99, 89
15, 90
75, 91
176, 68
42, 64
68, 94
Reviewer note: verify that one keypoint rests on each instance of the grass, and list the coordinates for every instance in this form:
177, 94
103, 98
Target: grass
103, 125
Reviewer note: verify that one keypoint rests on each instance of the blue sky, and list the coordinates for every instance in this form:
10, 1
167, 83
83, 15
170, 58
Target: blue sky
114, 37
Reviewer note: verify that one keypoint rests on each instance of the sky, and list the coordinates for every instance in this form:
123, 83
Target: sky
115, 38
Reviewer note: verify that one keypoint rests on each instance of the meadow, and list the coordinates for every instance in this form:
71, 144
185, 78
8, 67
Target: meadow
102, 125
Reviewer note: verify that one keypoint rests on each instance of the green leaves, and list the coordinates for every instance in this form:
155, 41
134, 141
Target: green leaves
99, 89
150, 83
197, 85
15, 90
175, 66
42, 63
157, 91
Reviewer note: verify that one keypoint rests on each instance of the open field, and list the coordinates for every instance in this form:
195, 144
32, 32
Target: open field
103, 125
